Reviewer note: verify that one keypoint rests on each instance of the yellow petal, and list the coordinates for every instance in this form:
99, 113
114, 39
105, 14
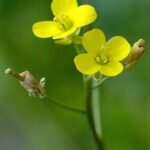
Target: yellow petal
86, 64
111, 68
63, 6
117, 48
45, 29
65, 33
93, 41
83, 15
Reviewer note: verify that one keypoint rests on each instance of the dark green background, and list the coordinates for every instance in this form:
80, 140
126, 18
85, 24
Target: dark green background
27, 123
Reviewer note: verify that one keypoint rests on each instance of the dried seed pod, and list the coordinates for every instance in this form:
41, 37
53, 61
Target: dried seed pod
28, 81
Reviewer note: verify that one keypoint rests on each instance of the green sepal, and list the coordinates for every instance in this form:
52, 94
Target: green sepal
77, 40
65, 41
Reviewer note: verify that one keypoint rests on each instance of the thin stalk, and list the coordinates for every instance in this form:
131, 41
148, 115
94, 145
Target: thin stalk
96, 110
77, 48
94, 126
51, 101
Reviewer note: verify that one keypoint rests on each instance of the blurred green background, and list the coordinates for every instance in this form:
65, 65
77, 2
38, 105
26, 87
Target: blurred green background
26, 123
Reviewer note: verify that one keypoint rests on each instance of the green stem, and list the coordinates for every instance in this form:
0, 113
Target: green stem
93, 115
48, 100
96, 109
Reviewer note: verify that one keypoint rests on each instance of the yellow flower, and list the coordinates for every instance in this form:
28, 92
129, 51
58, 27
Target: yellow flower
101, 56
68, 17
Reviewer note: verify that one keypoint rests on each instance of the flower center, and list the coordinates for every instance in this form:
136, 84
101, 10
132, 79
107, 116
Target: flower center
101, 57
101, 60
64, 21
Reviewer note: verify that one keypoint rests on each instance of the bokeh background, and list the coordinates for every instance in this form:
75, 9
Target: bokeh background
26, 123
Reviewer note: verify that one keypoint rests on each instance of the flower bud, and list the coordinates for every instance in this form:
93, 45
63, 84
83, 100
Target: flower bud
136, 52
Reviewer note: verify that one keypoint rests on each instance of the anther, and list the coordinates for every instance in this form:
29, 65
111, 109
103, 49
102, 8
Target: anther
98, 59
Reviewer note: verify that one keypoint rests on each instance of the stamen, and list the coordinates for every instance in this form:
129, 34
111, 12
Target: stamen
101, 59
98, 60
64, 21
